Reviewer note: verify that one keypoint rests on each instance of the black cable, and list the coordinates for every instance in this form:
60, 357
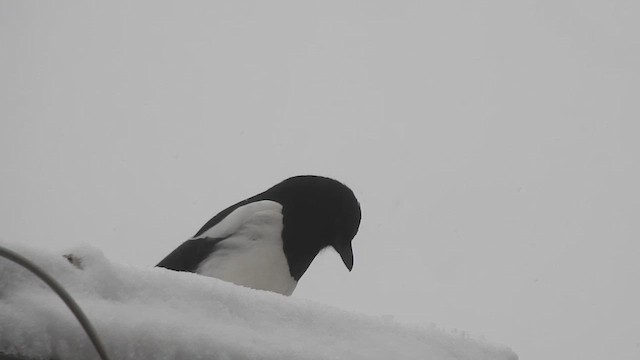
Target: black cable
62, 293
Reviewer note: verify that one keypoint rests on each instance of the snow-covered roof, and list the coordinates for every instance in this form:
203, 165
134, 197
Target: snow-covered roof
154, 313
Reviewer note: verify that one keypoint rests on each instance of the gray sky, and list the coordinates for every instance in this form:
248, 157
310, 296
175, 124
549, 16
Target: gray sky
493, 146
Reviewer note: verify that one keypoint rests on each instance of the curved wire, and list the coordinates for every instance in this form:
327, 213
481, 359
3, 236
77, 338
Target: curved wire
62, 293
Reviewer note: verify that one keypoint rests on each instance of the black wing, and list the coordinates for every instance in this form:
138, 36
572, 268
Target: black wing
190, 254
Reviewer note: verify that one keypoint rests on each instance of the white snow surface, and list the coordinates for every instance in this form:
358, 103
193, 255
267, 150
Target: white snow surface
154, 313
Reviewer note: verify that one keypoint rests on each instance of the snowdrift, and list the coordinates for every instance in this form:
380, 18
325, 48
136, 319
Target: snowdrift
154, 313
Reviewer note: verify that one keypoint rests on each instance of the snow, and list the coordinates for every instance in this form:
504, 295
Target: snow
154, 313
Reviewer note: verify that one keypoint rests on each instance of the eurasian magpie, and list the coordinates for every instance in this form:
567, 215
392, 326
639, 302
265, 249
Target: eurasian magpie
269, 240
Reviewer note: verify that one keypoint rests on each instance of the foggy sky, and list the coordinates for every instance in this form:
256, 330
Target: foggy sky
493, 147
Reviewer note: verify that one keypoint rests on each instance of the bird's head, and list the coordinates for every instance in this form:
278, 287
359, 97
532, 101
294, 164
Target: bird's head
318, 212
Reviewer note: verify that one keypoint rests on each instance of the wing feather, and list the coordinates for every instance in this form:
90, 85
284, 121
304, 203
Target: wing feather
190, 254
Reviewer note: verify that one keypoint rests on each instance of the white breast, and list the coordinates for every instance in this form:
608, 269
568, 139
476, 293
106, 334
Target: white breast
252, 254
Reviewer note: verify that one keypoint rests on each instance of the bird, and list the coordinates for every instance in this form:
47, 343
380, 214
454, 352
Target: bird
268, 241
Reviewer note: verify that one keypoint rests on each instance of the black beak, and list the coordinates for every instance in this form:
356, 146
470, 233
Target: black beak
346, 253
